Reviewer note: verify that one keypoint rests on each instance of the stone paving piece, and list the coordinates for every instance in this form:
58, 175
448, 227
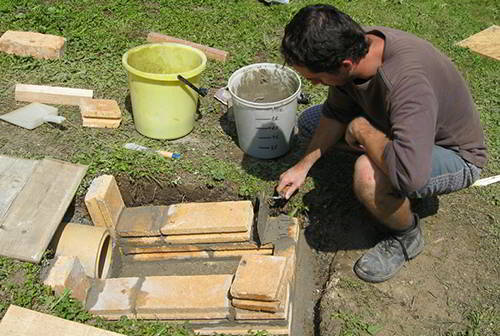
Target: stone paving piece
258, 277
112, 298
241, 330
249, 309
100, 108
67, 272
286, 247
104, 202
142, 221
130, 249
184, 297
230, 237
32, 44
100, 123
198, 254
210, 217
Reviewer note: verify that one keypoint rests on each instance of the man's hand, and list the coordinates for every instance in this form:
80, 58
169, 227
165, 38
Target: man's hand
352, 137
291, 180
361, 134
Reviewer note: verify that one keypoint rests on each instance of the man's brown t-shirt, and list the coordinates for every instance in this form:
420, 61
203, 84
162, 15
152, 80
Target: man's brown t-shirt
418, 99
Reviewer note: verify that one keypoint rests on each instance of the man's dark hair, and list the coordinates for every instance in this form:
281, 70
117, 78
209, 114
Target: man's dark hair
320, 37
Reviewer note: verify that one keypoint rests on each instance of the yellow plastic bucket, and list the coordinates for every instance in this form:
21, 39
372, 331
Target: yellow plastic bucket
162, 106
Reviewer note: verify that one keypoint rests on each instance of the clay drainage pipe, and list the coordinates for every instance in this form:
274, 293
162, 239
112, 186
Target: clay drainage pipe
91, 244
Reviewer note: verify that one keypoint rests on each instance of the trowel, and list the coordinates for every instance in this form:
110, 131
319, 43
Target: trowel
271, 229
33, 115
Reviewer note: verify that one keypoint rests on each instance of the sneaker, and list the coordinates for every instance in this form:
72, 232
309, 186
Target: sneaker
385, 259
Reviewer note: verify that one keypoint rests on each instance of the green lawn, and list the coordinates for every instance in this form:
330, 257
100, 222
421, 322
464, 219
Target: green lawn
99, 32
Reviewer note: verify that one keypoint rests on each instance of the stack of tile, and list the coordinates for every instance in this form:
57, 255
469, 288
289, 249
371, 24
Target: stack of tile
261, 285
101, 113
179, 231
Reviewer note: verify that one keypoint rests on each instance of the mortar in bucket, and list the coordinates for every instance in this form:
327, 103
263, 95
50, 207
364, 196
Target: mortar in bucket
163, 107
264, 98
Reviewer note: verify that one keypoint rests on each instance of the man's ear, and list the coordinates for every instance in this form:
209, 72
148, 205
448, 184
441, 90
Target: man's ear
347, 65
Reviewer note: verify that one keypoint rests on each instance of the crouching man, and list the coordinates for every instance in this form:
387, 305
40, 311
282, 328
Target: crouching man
401, 102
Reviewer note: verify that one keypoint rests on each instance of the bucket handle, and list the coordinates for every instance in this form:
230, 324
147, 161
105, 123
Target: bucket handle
201, 91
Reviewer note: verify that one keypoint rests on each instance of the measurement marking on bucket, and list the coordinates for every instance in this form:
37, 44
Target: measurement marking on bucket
272, 137
272, 147
272, 127
273, 118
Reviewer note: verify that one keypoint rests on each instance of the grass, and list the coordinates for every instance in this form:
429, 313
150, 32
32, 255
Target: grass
99, 32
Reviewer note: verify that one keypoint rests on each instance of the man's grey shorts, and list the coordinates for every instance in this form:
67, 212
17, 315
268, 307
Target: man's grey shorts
449, 171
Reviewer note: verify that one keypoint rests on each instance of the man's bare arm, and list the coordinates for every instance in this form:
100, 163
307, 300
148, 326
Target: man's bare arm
327, 134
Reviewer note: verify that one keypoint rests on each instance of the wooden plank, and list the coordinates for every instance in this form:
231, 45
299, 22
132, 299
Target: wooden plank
14, 173
51, 94
212, 53
38, 210
24, 322
486, 42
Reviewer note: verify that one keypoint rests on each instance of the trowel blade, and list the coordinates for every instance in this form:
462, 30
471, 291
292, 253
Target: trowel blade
29, 116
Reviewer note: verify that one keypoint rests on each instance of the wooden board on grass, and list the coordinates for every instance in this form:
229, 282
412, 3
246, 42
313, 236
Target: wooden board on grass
14, 173
24, 322
37, 211
486, 42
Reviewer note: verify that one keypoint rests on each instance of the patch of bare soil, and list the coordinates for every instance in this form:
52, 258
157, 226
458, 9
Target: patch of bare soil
455, 274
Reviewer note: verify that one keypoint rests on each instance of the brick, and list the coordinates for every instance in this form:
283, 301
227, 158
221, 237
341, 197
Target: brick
250, 311
67, 273
265, 287
184, 297
112, 298
51, 94
104, 202
212, 53
210, 217
32, 44
100, 108
142, 221
101, 123
198, 254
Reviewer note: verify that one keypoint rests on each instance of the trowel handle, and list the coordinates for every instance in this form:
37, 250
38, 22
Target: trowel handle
54, 119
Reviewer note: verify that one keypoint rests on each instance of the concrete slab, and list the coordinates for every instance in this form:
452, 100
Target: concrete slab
210, 217
266, 285
184, 297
